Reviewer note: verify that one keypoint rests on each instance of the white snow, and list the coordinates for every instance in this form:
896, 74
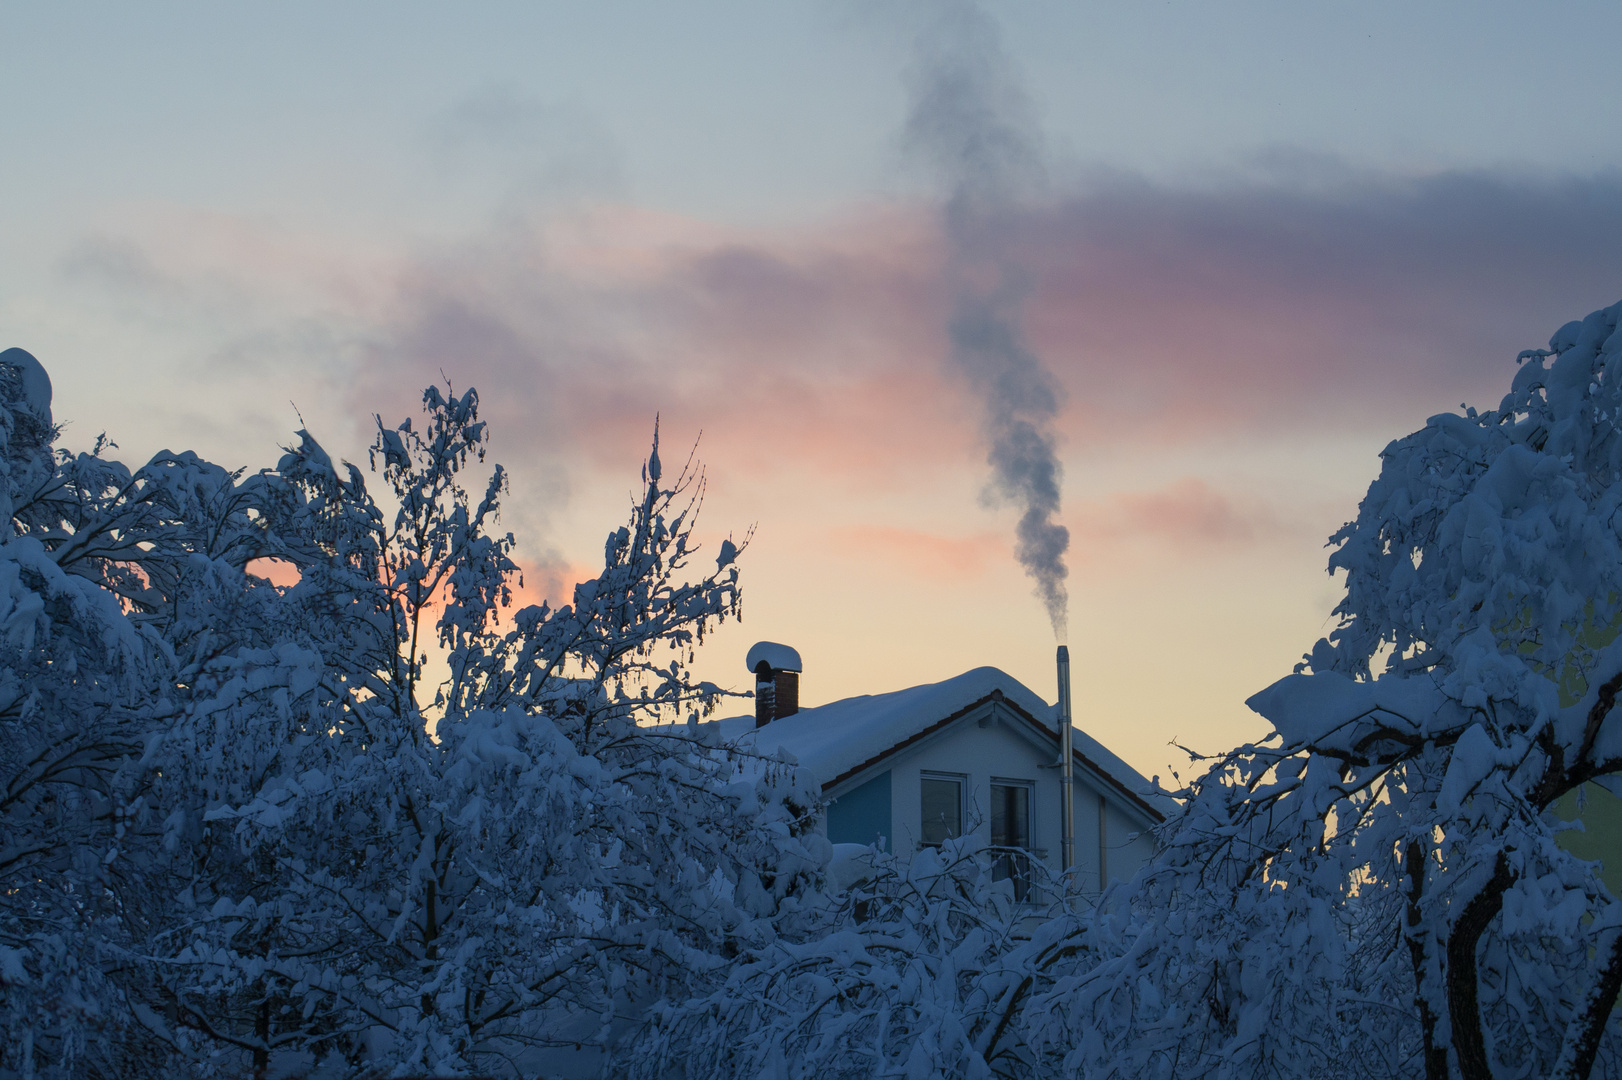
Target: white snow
36, 383
780, 657
1309, 708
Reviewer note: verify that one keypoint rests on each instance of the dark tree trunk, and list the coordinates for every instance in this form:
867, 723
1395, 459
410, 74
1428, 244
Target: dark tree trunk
1463, 1006
261, 1053
1435, 1056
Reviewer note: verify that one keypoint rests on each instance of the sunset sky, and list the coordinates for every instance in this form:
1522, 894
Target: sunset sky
1268, 238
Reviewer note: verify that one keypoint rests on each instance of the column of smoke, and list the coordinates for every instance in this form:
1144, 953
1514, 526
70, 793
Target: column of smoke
972, 122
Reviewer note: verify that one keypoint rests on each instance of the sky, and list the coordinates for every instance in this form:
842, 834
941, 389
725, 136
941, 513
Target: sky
1249, 245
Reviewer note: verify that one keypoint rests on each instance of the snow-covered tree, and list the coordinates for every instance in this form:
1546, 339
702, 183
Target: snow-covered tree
70, 664
1376, 887
95, 563
244, 829
440, 877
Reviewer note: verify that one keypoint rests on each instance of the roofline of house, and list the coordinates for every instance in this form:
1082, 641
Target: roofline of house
998, 697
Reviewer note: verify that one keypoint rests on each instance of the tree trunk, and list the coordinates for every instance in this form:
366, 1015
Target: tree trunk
261, 1053
1435, 1056
1463, 1007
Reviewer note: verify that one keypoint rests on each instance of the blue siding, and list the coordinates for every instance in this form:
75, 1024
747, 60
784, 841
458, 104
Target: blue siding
862, 816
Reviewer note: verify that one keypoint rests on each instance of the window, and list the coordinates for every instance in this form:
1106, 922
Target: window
1011, 814
1011, 834
942, 806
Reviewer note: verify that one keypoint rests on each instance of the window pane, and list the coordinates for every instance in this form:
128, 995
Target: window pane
1010, 815
942, 809
1011, 828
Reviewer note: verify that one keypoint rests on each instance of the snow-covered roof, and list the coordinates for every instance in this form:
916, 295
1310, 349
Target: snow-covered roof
836, 739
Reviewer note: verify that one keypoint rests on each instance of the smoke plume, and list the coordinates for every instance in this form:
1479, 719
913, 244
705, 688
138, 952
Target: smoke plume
972, 122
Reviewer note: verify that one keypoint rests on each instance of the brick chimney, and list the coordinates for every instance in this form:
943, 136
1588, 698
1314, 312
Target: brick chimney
777, 681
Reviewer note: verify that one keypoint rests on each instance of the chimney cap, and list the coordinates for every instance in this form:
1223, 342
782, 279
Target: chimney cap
777, 657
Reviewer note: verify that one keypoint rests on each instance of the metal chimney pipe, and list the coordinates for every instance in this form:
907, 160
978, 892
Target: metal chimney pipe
1067, 766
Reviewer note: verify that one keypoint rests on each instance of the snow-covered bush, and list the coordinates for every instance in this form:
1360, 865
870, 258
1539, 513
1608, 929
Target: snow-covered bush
908, 972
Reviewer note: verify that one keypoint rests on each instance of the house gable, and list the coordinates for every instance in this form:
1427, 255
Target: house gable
979, 748
994, 756
993, 710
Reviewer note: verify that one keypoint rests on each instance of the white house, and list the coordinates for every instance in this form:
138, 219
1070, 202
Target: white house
977, 752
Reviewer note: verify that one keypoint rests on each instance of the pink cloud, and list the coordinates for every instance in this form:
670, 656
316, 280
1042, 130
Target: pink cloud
1187, 513
1188, 516
803, 351
1168, 315
923, 554
1267, 305
549, 580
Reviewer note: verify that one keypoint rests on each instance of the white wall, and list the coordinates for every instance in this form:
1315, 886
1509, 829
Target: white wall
981, 753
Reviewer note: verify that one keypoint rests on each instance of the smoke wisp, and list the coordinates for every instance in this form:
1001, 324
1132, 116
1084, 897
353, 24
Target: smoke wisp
972, 122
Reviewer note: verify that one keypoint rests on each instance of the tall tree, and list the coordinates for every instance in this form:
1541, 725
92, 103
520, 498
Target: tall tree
448, 876
1377, 886
243, 827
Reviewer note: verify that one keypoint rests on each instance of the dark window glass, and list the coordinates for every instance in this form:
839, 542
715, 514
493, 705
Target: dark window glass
1010, 815
942, 809
1011, 832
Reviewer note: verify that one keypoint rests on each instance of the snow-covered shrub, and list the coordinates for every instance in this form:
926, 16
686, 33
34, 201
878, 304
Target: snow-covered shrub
908, 973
